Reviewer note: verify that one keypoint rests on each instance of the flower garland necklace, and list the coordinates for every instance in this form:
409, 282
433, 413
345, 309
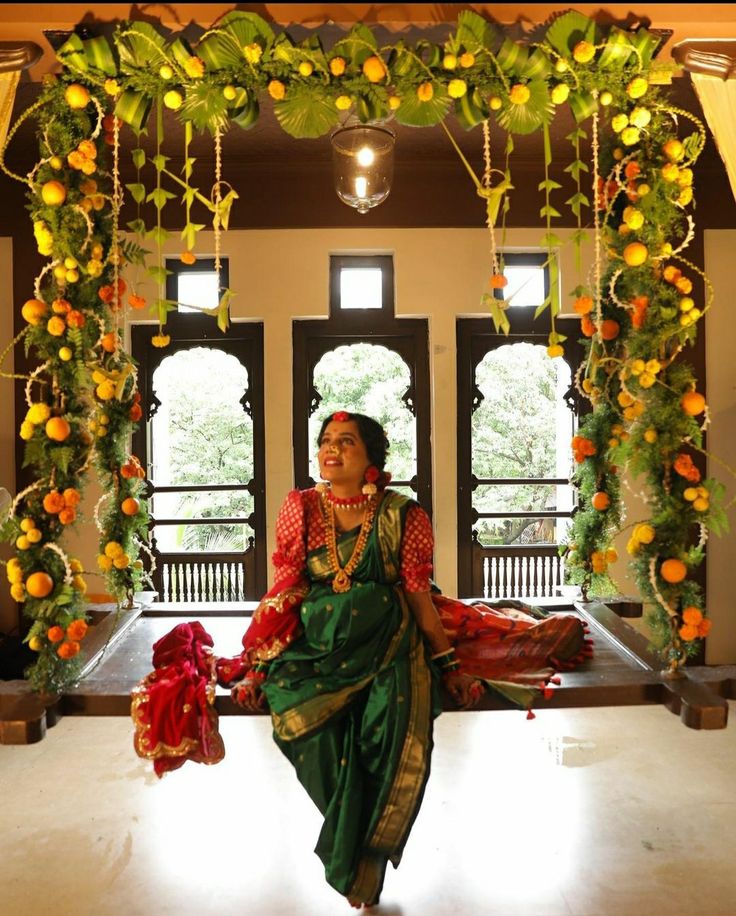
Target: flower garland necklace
341, 581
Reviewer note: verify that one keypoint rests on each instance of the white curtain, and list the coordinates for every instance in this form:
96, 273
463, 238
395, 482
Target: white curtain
718, 98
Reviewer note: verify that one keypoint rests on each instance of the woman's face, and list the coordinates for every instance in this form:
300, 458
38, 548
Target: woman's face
342, 454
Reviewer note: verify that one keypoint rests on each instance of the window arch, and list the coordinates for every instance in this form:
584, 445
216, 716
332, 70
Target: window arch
341, 340
517, 410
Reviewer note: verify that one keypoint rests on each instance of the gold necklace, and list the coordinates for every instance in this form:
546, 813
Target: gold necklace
341, 581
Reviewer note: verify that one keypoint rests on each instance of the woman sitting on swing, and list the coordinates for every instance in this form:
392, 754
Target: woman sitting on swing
350, 647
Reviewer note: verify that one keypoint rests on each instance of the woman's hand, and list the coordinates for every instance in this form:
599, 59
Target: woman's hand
249, 695
465, 689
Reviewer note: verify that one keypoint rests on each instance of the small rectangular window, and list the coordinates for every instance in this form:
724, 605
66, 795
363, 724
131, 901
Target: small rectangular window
361, 288
197, 289
527, 274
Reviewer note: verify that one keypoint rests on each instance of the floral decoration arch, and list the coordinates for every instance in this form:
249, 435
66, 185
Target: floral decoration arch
639, 311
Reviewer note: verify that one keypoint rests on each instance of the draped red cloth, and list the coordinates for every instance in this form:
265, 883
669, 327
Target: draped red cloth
172, 707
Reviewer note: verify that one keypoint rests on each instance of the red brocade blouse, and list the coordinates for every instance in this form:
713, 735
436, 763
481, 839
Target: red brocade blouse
300, 529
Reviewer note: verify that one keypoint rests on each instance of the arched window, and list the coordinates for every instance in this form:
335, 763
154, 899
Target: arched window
202, 445
364, 359
517, 411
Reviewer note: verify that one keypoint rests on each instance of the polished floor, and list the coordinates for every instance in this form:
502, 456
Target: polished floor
601, 812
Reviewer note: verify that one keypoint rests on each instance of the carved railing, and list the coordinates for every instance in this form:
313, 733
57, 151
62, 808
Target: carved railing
203, 579
517, 572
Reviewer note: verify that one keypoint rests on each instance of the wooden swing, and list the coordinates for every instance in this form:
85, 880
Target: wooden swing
623, 671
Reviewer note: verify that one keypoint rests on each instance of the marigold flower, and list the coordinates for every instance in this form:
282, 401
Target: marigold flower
67, 516
692, 616
68, 649
277, 90
55, 634
684, 466
194, 67
187, 257
161, 340
688, 633
53, 502
77, 630
136, 302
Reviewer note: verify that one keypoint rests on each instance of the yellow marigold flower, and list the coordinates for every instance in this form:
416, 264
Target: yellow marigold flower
253, 53
165, 72
618, 122
456, 89
519, 94
449, 62
38, 413
306, 68
26, 430
654, 366
337, 66
105, 391
560, 93
555, 350
343, 102
112, 87
104, 562
630, 136
194, 67
685, 178
374, 69
646, 380
633, 218
122, 561
56, 325
425, 92
640, 117
637, 87
583, 52
685, 196
276, 90
75, 565
18, 591
393, 102
161, 340
113, 549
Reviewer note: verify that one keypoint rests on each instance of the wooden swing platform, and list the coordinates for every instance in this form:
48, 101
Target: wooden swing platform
622, 672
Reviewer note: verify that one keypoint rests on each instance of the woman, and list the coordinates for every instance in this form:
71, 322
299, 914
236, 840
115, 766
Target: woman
351, 680
348, 650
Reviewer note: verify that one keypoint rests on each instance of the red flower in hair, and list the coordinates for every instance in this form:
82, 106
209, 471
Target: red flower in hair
371, 474
341, 416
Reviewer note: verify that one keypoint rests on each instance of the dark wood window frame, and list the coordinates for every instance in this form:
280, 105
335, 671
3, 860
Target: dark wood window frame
408, 337
244, 341
475, 338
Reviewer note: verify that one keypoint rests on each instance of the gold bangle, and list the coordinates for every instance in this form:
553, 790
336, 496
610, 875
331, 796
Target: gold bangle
441, 654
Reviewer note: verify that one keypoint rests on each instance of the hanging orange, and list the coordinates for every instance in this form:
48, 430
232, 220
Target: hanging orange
693, 403
610, 329
673, 571
600, 501
130, 506
58, 429
33, 311
39, 585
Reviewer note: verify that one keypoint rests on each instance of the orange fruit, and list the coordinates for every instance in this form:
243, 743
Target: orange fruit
33, 311
600, 501
374, 69
583, 305
610, 329
673, 571
76, 96
58, 429
130, 506
40, 585
635, 254
693, 403
53, 193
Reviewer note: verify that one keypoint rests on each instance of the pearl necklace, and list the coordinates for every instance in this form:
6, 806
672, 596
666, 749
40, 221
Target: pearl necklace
341, 581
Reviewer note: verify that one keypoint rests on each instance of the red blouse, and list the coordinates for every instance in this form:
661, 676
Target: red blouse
301, 512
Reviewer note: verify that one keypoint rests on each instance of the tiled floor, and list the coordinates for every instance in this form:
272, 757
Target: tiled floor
603, 812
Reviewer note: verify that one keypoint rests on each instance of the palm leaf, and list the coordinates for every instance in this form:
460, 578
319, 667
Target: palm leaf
305, 113
568, 29
205, 108
525, 119
415, 113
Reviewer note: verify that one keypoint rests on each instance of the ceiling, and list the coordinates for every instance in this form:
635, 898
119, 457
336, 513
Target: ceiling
273, 166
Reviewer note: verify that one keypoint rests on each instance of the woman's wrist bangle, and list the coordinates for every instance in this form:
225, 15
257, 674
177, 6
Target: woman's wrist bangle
438, 655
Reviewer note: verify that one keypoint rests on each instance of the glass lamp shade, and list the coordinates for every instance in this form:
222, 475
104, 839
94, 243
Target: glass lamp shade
363, 163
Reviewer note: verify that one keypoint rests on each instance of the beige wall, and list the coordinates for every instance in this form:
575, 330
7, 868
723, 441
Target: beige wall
279, 275
7, 421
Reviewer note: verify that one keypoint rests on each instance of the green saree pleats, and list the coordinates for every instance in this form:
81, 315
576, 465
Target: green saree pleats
352, 704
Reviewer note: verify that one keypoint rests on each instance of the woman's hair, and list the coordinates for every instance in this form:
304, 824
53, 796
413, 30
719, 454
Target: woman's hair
371, 432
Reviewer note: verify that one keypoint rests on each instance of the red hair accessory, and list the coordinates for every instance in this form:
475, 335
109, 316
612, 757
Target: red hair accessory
341, 416
371, 473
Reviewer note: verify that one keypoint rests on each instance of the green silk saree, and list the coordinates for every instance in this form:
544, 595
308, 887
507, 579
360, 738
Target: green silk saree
352, 702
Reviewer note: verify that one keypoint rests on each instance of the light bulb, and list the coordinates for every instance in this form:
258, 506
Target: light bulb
361, 186
366, 156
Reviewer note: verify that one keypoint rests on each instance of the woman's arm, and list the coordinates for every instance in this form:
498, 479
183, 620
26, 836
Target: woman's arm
464, 689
